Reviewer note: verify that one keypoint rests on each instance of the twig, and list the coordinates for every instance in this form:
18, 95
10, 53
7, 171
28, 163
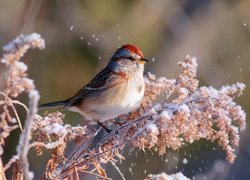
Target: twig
102, 142
2, 175
17, 116
10, 102
94, 174
77, 175
23, 147
106, 137
118, 170
10, 162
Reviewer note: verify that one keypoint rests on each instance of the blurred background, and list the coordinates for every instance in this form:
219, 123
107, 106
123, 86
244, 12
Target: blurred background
82, 35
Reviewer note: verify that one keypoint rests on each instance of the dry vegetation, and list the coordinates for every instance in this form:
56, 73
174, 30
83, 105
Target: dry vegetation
188, 113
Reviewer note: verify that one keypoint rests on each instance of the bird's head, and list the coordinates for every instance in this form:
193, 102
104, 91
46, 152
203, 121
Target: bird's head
128, 57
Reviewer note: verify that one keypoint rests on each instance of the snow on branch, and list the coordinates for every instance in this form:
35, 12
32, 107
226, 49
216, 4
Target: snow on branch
23, 146
187, 113
15, 77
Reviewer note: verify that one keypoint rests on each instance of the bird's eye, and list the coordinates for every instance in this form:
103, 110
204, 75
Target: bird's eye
131, 58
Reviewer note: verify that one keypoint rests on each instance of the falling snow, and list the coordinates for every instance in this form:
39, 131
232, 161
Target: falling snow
184, 161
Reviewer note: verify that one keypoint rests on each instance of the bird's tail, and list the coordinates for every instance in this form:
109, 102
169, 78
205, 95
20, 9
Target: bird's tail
54, 104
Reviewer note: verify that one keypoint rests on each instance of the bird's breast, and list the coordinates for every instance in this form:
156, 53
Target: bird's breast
128, 95
121, 97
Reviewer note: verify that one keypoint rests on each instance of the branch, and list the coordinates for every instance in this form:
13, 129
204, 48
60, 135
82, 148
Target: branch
2, 174
23, 147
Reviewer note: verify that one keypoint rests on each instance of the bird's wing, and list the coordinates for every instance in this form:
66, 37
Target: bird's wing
100, 82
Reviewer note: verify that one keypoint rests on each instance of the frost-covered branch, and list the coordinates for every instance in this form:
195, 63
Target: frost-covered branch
15, 77
23, 146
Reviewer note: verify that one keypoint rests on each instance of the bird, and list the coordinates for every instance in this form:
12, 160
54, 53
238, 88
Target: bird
117, 89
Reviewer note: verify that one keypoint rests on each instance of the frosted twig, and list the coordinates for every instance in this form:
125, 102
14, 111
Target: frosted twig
15, 77
77, 175
118, 170
2, 175
9, 101
23, 147
10, 162
94, 174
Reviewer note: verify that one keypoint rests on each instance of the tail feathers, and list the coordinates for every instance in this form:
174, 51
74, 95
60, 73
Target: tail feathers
54, 104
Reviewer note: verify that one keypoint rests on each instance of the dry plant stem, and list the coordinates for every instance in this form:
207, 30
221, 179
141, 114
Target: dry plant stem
91, 173
2, 174
23, 147
11, 161
81, 154
9, 102
118, 170
86, 157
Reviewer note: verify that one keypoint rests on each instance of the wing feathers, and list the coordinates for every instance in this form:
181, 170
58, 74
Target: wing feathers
98, 83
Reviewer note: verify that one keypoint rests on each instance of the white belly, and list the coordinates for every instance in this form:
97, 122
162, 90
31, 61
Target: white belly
129, 100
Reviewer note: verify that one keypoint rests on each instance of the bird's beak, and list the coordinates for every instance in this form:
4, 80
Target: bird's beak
142, 61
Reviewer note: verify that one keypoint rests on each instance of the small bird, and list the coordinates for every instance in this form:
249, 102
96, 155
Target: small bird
117, 89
